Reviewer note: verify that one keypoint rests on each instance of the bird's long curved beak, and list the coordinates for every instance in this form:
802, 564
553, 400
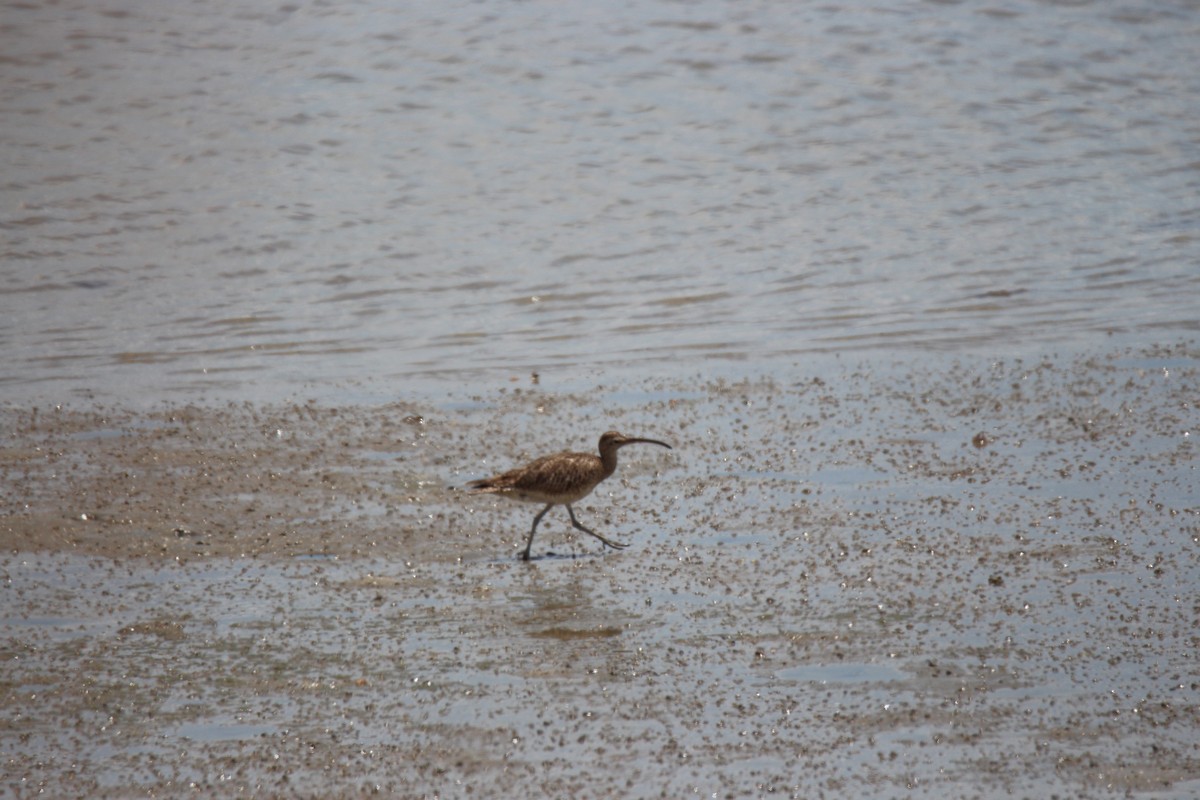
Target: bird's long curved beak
636, 440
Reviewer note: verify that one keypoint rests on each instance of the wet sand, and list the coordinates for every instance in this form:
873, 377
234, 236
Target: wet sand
971, 580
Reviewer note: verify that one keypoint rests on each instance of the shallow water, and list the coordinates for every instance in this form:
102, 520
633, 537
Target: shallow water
362, 201
910, 289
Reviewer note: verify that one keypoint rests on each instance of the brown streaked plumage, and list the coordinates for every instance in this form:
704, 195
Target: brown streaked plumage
561, 479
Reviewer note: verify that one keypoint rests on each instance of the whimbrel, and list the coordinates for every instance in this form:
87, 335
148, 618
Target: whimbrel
561, 479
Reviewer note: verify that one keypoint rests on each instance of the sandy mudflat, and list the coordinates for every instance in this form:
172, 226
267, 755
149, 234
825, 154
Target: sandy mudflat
971, 581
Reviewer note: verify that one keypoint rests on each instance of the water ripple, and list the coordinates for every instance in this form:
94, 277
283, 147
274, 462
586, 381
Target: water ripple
314, 199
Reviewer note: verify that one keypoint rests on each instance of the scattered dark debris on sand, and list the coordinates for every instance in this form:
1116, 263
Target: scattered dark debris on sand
974, 582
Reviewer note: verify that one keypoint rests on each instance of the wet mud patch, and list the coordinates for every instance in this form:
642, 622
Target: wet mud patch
975, 580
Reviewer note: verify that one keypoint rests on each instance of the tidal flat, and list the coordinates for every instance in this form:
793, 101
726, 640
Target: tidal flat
975, 580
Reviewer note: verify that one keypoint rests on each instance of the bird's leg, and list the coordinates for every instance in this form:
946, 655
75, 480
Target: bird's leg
533, 530
577, 526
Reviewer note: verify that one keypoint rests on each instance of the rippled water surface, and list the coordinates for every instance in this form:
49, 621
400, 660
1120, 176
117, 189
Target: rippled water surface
234, 200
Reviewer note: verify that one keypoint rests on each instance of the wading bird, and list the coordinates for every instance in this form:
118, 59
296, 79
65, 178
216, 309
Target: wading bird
560, 480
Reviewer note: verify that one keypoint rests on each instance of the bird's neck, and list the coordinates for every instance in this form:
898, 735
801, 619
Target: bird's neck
608, 458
